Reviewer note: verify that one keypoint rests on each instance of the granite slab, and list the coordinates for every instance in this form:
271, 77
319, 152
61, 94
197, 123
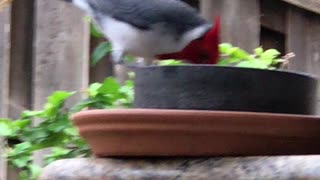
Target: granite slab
245, 168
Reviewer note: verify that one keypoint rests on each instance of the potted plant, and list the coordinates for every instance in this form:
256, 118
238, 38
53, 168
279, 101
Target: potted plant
251, 108
162, 128
239, 82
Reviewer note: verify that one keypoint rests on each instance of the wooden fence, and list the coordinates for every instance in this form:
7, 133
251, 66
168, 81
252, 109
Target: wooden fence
45, 45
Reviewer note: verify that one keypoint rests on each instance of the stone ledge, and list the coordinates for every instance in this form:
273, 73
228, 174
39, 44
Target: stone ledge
280, 168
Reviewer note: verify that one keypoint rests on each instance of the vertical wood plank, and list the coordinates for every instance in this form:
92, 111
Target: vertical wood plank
240, 20
61, 51
297, 39
304, 40
4, 77
274, 18
4, 60
313, 44
21, 57
211, 8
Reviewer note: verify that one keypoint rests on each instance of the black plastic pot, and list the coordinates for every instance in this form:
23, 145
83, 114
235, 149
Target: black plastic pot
202, 87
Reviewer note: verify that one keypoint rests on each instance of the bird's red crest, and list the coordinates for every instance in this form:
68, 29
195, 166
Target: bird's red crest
200, 51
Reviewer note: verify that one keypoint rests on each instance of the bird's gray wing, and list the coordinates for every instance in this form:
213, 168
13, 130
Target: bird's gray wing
144, 14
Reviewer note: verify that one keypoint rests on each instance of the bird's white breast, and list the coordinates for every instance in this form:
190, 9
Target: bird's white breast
145, 43
82, 4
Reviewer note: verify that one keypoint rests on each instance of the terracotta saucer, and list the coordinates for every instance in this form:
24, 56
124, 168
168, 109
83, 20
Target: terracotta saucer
149, 132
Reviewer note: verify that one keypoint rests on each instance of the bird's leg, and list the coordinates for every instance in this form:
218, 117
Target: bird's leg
117, 56
121, 69
120, 65
147, 61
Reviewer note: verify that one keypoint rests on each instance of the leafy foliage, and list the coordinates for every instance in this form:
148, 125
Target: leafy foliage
56, 130
260, 59
100, 52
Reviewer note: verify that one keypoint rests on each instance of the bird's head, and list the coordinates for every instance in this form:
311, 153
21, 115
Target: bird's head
204, 50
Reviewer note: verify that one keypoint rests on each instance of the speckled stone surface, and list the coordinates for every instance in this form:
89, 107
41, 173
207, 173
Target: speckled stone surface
260, 168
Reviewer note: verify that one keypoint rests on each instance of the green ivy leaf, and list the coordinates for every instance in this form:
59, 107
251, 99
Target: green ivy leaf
24, 174
258, 51
71, 131
110, 86
82, 105
22, 147
253, 64
50, 141
269, 56
55, 101
128, 91
31, 114
21, 124
58, 97
232, 51
93, 89
95, 32
224, 48
6, 129
35, 171
170, 62
229, 61
36, 134
22, 161
238, 53
100, 52
60, 124
57, 153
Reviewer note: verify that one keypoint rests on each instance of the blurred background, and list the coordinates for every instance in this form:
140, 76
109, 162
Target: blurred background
45, 45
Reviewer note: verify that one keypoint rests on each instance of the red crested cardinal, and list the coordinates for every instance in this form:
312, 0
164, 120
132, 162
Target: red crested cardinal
154, 29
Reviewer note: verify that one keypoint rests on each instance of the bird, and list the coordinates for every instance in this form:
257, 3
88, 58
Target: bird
154, 29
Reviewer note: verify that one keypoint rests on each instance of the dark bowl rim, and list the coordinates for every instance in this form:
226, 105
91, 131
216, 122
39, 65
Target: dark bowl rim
303, 74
